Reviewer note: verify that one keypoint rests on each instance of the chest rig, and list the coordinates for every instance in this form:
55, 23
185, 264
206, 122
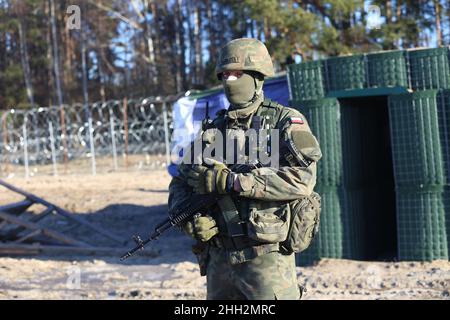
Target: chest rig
232, 214
266, 118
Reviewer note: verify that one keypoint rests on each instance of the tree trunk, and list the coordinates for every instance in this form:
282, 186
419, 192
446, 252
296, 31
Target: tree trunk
388, 11
58, 80
399, 9
100, 58
266, 29
437, 13
179, 56
101, 74
259, 27
191, 43
182, 47
51, 80
150, 46
248, 24
198, 45
68, 54
25, 62
84, 68
252, 29
157, 45
211, 32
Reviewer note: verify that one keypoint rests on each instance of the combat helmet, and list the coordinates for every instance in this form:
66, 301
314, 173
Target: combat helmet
245, 54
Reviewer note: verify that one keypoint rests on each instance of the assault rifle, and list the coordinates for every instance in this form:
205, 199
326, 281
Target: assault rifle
182, 214
177, 218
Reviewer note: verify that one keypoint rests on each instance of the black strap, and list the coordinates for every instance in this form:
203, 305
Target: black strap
266, 118
270, 113
234, 224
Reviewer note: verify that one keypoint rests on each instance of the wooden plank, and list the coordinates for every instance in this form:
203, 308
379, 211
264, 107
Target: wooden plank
42, 215
29, 236
50, 249
63, 212
5, 250
17, 207
33, 226
12, 234
3, 224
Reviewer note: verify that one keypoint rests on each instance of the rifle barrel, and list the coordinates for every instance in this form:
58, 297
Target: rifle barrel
199, 201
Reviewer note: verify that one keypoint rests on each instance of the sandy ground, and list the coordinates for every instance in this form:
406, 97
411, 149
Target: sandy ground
128, 203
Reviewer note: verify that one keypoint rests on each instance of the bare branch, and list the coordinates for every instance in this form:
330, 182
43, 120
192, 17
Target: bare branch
132, 23
136, 9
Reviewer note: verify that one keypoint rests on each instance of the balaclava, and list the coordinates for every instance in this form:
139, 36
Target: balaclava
242, 93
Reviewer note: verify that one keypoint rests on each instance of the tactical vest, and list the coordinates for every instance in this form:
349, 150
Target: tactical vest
248, 227
232, 213
267, 117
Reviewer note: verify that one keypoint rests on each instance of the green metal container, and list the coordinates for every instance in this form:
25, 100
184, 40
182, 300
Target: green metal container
306, 81
446, 198
387, 69
419, 125
345, 73
443, 105
429, 68
416, 140
323, 116
443, 101
422, 233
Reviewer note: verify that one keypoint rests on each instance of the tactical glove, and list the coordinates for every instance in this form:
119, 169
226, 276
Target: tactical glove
201, 228
215, 177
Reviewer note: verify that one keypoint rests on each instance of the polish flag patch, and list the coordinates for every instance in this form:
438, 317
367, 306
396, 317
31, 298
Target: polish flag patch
297, 120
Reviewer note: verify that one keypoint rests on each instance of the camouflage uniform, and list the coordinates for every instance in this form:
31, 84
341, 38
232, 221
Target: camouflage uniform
243, 266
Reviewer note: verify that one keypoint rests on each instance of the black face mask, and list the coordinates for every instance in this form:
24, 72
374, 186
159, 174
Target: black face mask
241, 91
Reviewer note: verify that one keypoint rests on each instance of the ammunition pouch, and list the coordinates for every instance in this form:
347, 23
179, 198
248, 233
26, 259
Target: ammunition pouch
268, 224
304, 224
234, 237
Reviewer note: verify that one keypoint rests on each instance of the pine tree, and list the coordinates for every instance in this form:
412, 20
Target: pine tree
159, 47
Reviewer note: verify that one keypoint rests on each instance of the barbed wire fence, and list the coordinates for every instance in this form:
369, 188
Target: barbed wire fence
127, 134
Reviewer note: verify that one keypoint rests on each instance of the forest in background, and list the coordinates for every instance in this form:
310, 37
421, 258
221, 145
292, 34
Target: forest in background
141, 48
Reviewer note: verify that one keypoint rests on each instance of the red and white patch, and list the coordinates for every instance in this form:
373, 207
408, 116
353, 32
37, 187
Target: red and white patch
297, 120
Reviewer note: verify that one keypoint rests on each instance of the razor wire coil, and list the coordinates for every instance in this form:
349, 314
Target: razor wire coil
145, 126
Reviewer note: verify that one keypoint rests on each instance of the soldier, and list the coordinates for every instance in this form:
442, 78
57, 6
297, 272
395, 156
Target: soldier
239, 240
